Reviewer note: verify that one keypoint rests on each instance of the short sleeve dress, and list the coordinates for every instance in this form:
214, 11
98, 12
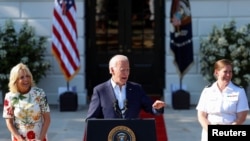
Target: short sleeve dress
27, 110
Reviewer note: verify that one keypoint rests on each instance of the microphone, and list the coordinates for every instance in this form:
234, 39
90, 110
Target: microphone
124, 109
121, 112
117, 109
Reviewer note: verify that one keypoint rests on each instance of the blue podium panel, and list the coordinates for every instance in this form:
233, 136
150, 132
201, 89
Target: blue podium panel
121, 130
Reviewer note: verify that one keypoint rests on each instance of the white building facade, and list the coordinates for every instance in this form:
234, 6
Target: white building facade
205, 14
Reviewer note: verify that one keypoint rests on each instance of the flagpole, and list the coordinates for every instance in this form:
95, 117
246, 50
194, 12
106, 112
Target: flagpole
68, 85
181, 81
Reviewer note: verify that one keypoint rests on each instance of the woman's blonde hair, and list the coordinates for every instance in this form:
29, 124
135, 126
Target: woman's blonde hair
14, 75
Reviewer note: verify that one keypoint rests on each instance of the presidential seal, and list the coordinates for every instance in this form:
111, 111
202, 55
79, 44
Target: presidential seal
121, 133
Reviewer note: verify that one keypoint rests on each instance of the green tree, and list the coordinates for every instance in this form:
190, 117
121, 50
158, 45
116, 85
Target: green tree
22, 46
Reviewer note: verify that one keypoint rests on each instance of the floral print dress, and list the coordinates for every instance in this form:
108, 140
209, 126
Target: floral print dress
27, 110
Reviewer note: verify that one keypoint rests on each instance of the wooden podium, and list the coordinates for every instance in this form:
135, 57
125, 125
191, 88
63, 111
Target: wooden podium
120, 130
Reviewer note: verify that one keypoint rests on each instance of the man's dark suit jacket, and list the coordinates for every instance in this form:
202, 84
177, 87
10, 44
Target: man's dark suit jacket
103, 101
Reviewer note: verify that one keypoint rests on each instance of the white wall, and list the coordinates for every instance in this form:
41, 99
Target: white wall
39, 14
205, 13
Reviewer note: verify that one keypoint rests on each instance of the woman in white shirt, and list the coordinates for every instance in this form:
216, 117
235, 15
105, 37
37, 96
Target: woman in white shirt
222, 102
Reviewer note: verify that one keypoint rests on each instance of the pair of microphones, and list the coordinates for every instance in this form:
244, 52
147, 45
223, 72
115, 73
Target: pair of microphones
120, 112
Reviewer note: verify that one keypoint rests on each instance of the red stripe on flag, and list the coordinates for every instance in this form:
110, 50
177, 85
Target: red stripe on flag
64, 69
64, 38
73, 22
62, 42
57, 54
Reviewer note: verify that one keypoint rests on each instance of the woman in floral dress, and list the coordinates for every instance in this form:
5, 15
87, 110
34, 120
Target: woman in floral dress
26, 109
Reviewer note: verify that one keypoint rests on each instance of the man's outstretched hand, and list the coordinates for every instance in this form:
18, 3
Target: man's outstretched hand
158, 104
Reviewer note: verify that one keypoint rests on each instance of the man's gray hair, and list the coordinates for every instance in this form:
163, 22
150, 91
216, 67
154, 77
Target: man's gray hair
115, 59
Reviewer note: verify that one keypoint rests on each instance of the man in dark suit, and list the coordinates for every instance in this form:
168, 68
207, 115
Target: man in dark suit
120, 98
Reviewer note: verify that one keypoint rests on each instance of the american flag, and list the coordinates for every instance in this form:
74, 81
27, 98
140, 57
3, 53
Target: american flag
64, 37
